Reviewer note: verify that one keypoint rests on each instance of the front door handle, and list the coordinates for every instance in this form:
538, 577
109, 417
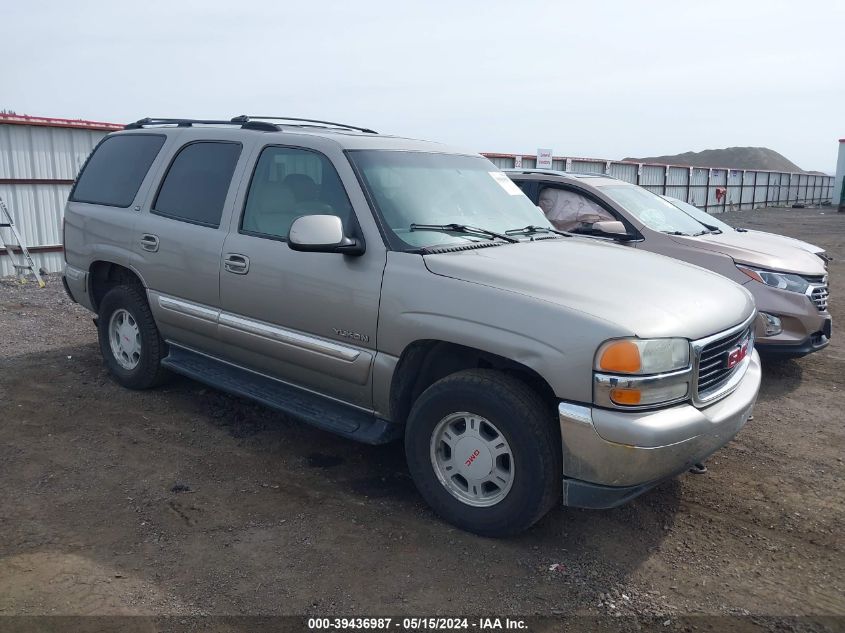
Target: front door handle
149, 242
236, 263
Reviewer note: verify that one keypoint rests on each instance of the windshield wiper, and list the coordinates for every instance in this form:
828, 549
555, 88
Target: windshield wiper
531, 229
676, 233
463, 228
715, 230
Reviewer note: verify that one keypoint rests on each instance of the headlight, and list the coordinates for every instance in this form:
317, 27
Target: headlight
642, 372
643, 356
784, 281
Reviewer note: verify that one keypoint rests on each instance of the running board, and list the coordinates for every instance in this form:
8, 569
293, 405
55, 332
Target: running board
322, 412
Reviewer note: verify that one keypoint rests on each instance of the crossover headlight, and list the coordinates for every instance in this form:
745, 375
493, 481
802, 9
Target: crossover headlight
642, 373
784, 281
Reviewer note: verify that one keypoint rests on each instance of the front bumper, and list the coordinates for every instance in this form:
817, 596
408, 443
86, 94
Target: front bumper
813, 343
805, 328
610, 457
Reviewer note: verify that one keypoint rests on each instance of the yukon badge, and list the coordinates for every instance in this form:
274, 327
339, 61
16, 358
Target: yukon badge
353, 335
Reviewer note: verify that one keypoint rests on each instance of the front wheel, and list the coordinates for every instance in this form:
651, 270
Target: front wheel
484, 452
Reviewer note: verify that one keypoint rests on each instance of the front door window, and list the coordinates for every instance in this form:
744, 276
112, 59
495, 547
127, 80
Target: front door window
568, 210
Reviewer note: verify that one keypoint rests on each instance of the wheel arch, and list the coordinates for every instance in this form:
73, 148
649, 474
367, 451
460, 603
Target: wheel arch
424, 362
104, 275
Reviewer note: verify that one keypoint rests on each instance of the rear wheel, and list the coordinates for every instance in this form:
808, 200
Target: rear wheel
129, 339
484, 452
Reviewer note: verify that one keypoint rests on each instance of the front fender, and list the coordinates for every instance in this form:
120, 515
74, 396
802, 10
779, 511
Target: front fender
557, 344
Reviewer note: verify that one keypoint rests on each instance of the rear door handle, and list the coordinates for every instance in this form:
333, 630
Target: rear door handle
236, 263
149, 242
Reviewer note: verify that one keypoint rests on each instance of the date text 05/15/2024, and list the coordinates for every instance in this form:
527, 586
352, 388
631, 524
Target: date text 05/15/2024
416, 624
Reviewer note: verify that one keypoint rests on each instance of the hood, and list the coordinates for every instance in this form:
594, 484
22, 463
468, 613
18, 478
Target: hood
782, 240
647, 295
750, 248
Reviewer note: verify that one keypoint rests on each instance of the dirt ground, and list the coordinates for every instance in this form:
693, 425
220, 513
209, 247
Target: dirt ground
186, 501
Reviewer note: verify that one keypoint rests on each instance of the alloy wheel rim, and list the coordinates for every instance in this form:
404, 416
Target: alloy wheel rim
472, 459
125, 339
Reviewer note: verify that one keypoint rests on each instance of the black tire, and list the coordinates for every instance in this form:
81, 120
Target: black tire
527, 423
148, 372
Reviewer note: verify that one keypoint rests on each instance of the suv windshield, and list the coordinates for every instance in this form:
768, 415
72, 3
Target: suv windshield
653, 211
698, 214
439, 189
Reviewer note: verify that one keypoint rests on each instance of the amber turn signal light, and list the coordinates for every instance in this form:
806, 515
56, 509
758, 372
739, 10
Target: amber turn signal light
621, 356
625, 396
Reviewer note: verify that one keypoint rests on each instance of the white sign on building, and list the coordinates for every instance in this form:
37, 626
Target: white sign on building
544, 159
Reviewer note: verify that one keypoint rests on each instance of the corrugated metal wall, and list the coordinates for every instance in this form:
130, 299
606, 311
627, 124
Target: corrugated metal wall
38, 165
712, 189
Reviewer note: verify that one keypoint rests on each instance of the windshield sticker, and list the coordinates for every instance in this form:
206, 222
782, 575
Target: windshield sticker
506, 183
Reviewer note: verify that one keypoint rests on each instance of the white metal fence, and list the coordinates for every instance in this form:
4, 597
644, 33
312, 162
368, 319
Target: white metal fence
40, 158
713, 189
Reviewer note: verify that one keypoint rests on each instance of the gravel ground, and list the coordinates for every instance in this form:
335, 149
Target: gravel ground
186, 501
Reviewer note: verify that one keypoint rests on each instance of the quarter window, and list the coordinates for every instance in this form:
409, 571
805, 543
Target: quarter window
116, 169
195, 187
290, 182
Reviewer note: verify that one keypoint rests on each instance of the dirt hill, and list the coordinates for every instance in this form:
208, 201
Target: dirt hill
733, 157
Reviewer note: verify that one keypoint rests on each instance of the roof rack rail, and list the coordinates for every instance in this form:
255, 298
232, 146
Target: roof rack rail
246, 124
251, 117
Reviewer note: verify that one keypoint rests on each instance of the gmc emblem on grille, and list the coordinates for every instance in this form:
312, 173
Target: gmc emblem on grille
736, 354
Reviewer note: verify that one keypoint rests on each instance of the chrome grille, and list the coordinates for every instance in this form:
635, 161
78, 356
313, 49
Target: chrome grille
818, 295
713, 370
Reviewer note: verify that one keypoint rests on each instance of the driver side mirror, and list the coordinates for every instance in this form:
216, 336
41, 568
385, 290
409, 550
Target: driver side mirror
611, 228
322, 234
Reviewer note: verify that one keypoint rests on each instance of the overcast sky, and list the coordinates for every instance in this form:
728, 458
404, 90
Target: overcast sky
601, 79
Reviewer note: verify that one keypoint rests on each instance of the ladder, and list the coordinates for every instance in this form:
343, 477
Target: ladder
27, 264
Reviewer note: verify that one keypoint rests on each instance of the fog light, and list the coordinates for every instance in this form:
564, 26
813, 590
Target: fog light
772, 324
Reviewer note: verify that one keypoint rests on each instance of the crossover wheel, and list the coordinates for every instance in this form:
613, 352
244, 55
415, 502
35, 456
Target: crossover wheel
484, 452
129, 339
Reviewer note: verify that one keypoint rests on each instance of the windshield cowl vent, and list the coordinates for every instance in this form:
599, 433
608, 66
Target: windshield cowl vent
435, 250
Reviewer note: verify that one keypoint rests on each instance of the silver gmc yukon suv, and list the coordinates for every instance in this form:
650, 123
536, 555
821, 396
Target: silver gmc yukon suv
384, 288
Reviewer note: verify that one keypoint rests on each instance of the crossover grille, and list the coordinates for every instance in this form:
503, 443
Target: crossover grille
818, 295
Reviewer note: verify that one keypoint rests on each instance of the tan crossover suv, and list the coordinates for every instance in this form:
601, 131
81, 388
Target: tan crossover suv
788, 281
384, 288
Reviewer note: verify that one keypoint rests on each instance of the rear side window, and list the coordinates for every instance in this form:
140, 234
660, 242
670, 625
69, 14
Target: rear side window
114, 172
194, 189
